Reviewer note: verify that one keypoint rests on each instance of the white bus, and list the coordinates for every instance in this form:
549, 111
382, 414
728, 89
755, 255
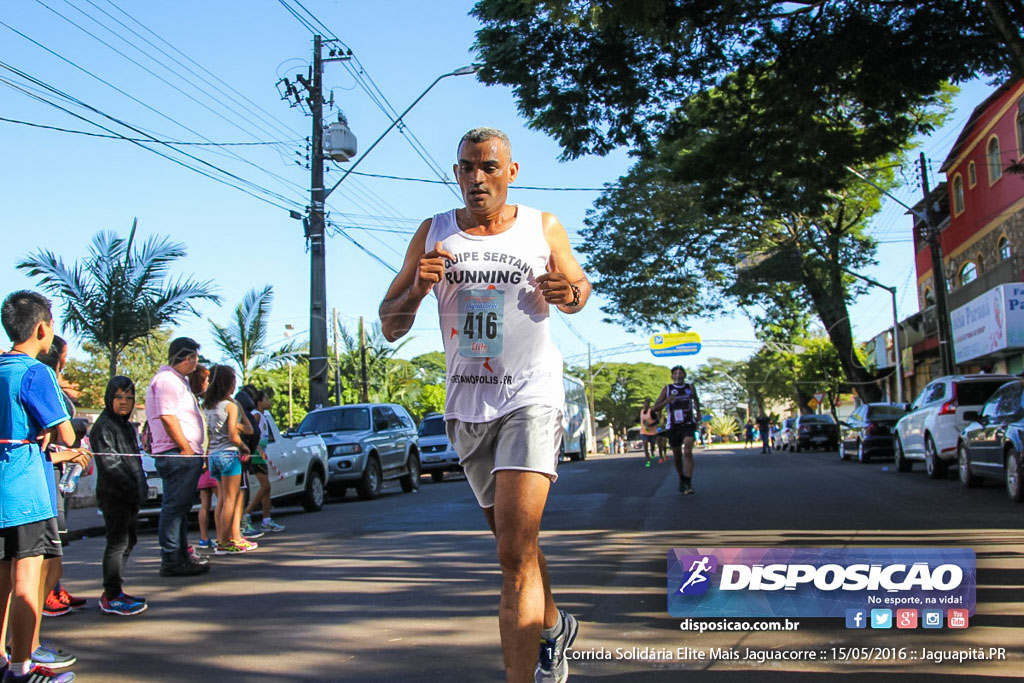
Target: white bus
577, 432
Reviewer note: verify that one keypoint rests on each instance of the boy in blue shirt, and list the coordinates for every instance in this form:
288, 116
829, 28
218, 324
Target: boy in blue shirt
31, 410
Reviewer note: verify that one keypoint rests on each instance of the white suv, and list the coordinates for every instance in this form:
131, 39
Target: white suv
931, 430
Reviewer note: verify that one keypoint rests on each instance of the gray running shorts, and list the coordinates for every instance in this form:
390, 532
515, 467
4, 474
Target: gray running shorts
528, 439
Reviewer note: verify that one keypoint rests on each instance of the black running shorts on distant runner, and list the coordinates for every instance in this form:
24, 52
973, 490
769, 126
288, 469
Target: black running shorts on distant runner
678, 433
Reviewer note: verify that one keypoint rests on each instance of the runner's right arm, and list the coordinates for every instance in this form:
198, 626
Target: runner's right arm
420, 272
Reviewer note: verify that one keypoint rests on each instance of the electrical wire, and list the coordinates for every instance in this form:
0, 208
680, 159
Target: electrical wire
182, 143
513, 187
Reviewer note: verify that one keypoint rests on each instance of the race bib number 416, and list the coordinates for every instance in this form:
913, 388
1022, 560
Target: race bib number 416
481, 312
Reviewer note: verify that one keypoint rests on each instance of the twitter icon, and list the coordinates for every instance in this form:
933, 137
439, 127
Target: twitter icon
881, 618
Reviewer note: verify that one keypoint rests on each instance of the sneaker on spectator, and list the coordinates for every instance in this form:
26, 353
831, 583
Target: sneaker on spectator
551, 663
205, 544
195, 558
230, 548
53, 607
184, 569
132, 598
123, 605
68, 599
52, 657
270, 525
249, 531
39, 674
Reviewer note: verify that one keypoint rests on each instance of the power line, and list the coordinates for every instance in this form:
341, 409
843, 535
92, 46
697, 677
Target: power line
513, 187
182, 143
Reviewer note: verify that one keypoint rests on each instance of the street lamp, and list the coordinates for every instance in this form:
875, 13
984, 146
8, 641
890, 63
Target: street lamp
895, 330
461, 71
316, 235
288, 333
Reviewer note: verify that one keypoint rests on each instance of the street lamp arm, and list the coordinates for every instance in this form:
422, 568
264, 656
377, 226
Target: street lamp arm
868, 280
920, 215
462, 71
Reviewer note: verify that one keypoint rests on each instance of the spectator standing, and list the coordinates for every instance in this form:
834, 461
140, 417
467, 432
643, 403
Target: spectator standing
748, 434
198, 382
226, 452
258, 466
120, 489
177, 429
32, 409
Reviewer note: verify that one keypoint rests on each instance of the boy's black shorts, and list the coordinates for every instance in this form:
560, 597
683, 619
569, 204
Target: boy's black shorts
678, 433
30, 540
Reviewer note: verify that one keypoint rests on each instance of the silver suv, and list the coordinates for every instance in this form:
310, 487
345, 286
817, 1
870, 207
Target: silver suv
367, 443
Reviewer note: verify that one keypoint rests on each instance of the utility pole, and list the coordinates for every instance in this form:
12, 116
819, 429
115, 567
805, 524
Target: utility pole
590, 386
364, 394
337, 361
938, 279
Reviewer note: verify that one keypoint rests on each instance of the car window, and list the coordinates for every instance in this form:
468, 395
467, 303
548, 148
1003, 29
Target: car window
936, 393
816, 419
378, 416
432, 427
405, 418
991, 408
975, 393
393, 420
1009, 399
884, 412
338, 420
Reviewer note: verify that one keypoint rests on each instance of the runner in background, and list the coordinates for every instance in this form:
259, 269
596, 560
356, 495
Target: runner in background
683, 418
649, 420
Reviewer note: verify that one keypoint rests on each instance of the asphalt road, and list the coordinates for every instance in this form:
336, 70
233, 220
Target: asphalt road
405, 587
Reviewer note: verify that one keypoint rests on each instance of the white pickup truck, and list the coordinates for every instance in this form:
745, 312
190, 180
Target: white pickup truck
296, 466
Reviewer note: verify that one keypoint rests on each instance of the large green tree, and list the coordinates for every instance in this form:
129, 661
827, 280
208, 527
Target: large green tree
121, 292
620, 389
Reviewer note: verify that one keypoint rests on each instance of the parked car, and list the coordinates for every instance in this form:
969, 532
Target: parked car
991, 444
296, 467
437, 455
786, 437
820, 431
634, 440
367, 443
869, 431
931, 430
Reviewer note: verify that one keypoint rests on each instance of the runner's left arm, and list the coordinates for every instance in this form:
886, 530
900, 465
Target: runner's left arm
564, 271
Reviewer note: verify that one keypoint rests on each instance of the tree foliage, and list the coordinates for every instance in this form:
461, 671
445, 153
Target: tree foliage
620, 389
119, 293
139, 361
244, 340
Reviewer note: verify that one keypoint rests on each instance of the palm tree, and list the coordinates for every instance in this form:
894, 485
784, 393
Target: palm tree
244, 339
119, 293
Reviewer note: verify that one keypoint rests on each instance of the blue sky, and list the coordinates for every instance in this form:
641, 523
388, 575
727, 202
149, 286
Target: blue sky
207, 71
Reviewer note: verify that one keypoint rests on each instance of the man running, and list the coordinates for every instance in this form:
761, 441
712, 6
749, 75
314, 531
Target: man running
649, 420
495, 269
683, 418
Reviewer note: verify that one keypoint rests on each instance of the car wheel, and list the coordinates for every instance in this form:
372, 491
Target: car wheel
963, 466
313, 498
902, 464
368, 487
842, 450
437, 476
862, 455
411, 481
937, 469
1013, 487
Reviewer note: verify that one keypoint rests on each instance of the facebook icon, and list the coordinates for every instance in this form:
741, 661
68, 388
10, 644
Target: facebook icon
856, 618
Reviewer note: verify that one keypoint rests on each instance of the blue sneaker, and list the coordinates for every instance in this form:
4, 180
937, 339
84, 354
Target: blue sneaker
551, 664
123, 605
52, 657
205, 543
38, 674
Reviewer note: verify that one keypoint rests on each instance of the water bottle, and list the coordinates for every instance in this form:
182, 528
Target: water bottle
69, 478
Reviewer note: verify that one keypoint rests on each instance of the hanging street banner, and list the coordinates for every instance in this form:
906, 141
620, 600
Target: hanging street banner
675, 344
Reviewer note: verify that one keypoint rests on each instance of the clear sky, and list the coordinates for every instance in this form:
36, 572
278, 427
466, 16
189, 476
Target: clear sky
206, 72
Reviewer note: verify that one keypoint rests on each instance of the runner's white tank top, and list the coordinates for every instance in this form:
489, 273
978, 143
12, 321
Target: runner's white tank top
494, 320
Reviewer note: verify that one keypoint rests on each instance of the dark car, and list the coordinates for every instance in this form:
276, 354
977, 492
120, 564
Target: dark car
868, 431
991, 444
816, 431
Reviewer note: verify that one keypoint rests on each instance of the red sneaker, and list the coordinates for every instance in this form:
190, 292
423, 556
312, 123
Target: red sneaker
70, 600
53, 607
